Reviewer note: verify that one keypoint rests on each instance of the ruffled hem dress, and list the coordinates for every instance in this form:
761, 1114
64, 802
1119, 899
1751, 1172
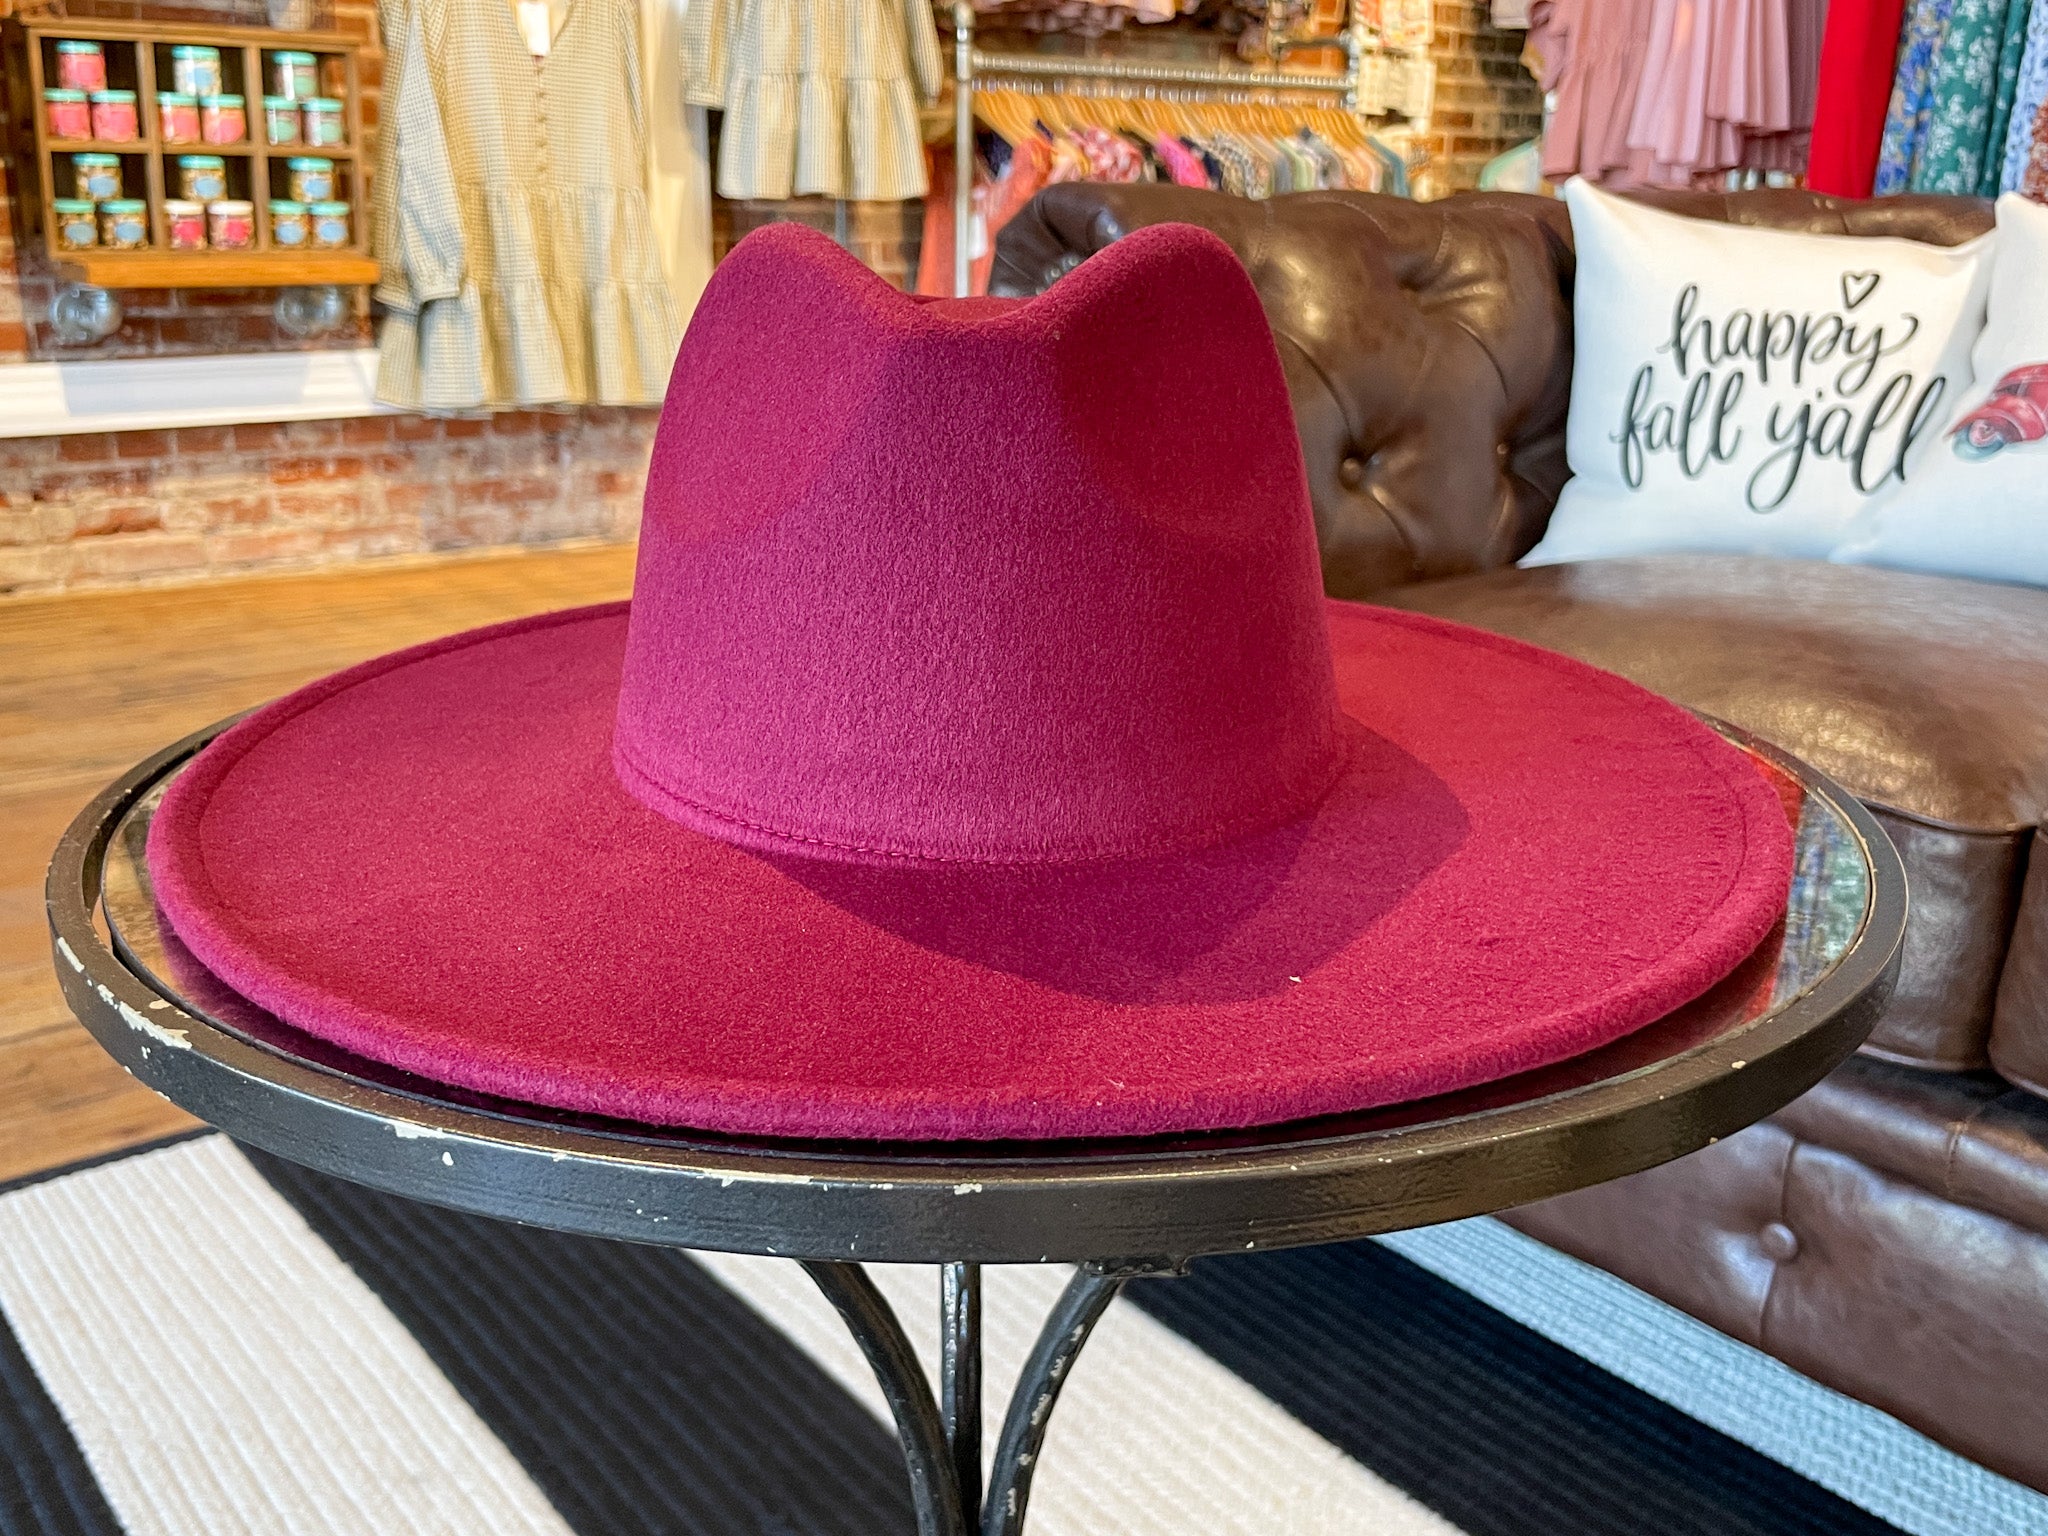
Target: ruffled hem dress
820, 96
521, 267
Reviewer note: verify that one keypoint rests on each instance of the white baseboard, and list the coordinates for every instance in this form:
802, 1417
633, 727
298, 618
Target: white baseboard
128, 394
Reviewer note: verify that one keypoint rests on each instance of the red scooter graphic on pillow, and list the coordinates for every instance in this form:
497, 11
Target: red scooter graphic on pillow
2015, 412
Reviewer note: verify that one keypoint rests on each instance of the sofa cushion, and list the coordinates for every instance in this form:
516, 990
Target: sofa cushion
2019, 1043
1925, 696
1883, 1234
1968, 1137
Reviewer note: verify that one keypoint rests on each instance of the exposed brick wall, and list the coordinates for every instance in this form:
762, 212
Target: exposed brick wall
1486, 102
112, 507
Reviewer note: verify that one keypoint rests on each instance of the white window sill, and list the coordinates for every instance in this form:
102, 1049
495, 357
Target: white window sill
133, 393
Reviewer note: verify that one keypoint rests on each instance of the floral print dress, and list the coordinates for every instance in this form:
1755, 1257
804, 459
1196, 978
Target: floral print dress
1964, 94
2028, 100
1912, 103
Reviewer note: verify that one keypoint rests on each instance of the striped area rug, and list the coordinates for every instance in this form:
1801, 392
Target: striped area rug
200, 1340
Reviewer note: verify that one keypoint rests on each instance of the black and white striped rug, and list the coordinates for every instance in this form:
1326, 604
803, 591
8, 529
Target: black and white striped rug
199, 1340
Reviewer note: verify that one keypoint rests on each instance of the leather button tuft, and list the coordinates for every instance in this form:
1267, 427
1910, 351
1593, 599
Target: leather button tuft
1351, 472
1779, 1242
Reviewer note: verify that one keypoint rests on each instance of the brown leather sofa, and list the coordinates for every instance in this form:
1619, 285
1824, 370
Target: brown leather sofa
1888, 1233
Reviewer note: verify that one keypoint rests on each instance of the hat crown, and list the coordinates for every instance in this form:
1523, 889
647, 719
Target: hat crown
980, 580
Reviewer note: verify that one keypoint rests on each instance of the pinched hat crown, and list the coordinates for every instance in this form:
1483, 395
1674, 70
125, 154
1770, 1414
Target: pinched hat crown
978, 580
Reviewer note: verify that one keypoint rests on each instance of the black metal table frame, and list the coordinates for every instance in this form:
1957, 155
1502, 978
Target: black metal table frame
1665, 1091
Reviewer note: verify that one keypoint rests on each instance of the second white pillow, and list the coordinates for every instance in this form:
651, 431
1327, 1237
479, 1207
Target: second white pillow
1979, 506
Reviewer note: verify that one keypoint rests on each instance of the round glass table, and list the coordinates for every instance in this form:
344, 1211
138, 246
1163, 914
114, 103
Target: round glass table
1799, 1004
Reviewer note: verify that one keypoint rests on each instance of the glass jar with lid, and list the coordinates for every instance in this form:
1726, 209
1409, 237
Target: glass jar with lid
294, 75
177, 117
290, 226
124, 224
114, 118
81, 64
280, 120
202, 178
195, 71
184, 224
330, 226
223, 119
78, 225
320, 123
312, 178
96, 177
66, 114
231, 224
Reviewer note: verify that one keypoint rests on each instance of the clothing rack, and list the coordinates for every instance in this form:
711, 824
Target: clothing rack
971, 65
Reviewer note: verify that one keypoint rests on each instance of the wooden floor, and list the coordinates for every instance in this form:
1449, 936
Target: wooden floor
91, 682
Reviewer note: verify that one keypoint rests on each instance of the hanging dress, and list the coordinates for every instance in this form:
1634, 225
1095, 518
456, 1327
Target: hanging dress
1912, 105
820, 96
2034, 174
2011, 55
1669, 129
2030, 94
1964, 94
678, 163
527, 263
1858, 56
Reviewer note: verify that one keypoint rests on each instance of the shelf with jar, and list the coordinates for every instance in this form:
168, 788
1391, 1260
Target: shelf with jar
174, 156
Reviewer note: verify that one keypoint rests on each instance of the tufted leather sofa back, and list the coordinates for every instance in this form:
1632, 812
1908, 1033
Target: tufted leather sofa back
1428, 346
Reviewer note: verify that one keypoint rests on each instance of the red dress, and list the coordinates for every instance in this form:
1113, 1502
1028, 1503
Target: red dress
1858, 56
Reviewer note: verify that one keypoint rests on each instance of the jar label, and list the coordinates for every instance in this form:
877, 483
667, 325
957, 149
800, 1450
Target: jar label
102, 185
287, 232
79, 232
331, 231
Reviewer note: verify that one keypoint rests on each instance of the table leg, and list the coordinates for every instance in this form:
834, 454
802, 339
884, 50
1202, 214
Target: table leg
1073, 1318
960, 1379
942, 1437
933, 1491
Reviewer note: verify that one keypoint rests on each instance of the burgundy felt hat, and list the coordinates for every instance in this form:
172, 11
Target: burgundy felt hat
978, 758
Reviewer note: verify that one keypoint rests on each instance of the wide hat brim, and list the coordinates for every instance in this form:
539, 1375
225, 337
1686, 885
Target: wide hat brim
429, 861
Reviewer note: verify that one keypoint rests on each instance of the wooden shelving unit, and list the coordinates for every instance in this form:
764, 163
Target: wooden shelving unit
138, 58
221, 269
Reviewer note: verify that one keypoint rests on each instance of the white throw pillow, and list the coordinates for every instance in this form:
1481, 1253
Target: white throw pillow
1751, 390
1980, 506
